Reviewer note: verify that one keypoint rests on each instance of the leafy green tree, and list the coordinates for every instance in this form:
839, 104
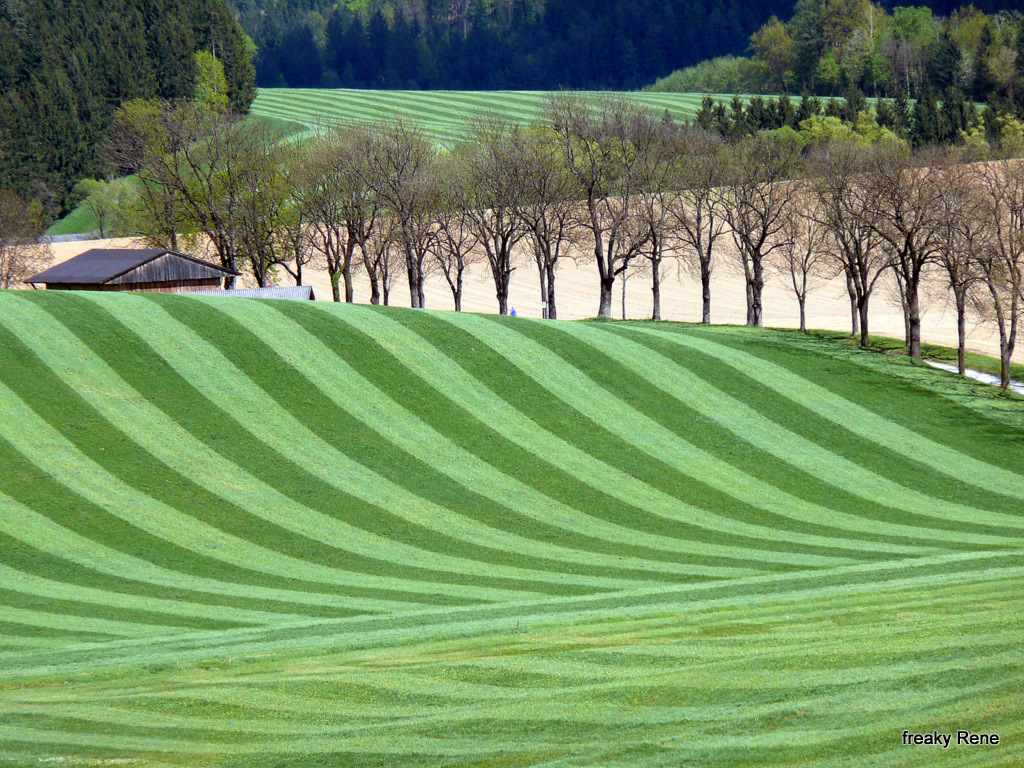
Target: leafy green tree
211, 87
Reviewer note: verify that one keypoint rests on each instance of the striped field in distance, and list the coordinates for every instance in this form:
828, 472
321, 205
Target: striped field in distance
441, 114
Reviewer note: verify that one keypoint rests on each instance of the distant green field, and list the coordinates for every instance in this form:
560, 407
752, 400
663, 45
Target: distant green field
442, 114
242, 533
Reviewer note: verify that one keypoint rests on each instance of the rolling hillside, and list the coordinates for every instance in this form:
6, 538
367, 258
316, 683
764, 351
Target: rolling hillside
442, 114
269, 533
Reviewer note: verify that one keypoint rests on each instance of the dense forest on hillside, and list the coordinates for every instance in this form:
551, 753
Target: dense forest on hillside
494, 44
66, 65
833, 46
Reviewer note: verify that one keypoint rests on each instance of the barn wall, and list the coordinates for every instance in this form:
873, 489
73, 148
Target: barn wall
164, 287
168, 268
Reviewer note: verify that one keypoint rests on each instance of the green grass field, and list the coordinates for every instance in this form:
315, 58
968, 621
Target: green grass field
241, 533
442, 114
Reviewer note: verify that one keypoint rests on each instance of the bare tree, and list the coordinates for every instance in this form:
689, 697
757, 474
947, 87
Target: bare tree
1001, 265
296, 243
490, 158
455, 245
265, 183
700, 222
401, 172
192, 159
904, 191
334, 191
656, 203
546, 207
840, 184
383, 259
755, 205
22, 254
963, 232
805, 243
603, 147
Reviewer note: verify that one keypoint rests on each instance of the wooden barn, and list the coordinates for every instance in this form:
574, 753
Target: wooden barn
132, 269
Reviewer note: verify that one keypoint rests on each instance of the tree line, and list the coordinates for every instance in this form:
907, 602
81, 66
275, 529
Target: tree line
598, 181
486, 45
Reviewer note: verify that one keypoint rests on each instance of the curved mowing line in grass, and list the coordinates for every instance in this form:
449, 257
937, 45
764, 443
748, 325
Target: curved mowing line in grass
802, 421
451, 420
180, 392
559, 379
429, 363
441, 114
712, 702
510, 380
242, 390
350, 430
862, 421
691, 390
346, 388
625, 378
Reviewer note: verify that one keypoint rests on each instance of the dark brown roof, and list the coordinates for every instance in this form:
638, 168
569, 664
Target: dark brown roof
102, 265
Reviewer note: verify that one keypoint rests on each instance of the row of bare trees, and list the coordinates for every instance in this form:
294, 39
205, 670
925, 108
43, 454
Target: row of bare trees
598, 181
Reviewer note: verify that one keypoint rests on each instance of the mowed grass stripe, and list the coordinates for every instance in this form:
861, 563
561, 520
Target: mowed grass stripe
429, 363
684, 398
58, 552
441, 114
21, 586
729, 714
485, 366
505, 518
301, 554
807, 388
776, 407
400, 421
705, 477
243, 390
33, 563
441, 623
171, 532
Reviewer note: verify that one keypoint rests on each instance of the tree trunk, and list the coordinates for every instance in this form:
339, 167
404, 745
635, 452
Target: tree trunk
335, 276
412, 271
914, 322
552, 314
862, 308
757, 286
347, 274
705, 284
543, 292
803, 313
420, 295
851, 289
457, 293
605, 307
656, 289
961, 331
1005, 352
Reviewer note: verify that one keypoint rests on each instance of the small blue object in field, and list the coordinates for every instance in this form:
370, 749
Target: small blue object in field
513, 312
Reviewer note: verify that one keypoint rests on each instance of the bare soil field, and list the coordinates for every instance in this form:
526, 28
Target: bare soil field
577, 295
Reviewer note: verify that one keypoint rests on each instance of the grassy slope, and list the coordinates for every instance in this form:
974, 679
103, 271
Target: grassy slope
318, 535
442, 114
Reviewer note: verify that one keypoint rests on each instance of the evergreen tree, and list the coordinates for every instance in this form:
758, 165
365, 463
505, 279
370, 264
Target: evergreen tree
925, 126
984, 81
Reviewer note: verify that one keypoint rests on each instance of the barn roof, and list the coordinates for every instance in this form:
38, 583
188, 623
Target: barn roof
295, 292
102, 265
